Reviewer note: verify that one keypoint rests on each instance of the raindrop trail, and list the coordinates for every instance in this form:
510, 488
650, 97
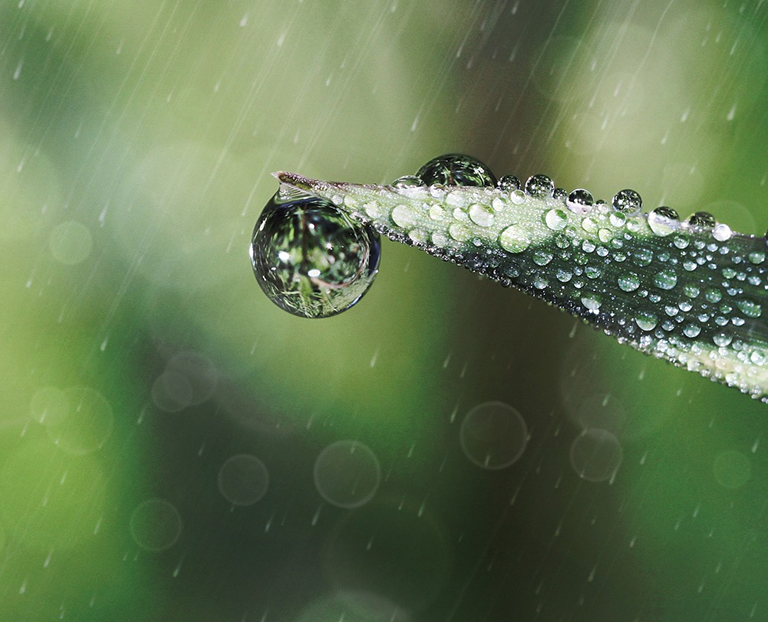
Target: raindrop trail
687, 292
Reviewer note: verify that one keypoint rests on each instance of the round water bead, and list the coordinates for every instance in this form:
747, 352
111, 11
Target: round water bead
705, 220
580, 201
663, 220
310, 258
540, 186
508, 183
561, 194
627, 202
456, 169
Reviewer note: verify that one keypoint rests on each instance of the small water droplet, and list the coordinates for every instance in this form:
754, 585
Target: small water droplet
627, 202
456, 169
403, 216
515, 239
556, 219
591, 302
580, 201
750, 308
310, 258
722, 232
517, 197
560, 194
704, 220
646, 321
481, 215
459, 232
436, 212
407, 181
757, 257
692, 330
540, 186
629, 282
542, 257
508, 183
663, 220
722, 339
666, 279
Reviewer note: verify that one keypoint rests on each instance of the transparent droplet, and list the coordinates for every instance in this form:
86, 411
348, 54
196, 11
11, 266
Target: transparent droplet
556, 219
459, 232
757, 257
481, 215
591, 302
580, 201
627, 202
403, 216
456, 169
542, 257
646, 321
540, 186
750, 308
629, 282
508, 183
515, 239
560, 194
722, 339
692, 330
666, 279
704, 220
407, 181
310, 258
663, 220
722, 232
517, 197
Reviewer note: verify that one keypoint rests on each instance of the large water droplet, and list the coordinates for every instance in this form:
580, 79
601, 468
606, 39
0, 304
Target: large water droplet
722, 232
456, 169
663, 220
540, 186
310, 258
627, 202
580, 201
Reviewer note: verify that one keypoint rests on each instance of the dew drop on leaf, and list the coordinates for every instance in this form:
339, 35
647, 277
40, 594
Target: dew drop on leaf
456, 169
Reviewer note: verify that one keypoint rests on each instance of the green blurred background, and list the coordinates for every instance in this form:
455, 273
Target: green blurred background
175, 447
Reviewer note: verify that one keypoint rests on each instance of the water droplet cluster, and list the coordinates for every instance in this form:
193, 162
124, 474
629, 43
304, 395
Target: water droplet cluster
689, 292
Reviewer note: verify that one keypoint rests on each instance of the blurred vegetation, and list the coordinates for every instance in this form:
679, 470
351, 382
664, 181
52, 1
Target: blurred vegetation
136, 142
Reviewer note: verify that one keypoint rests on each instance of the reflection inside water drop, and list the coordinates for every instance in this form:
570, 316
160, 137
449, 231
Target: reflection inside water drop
310, 258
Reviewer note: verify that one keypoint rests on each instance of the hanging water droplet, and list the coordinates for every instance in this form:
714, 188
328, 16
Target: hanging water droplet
540, 186
310, 258
580, 201
407, 181
722, 232
456, 169
556, 219
663, 220
508, 183
705, 220
515, 239
627, 202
